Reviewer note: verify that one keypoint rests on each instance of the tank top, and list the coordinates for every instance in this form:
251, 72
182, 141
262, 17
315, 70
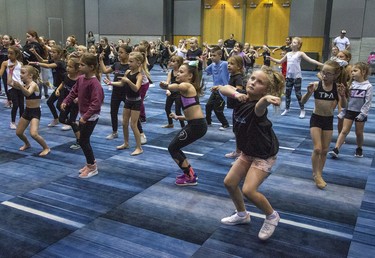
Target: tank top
14, 70
293, 65
35, 95
331, 95
129, 92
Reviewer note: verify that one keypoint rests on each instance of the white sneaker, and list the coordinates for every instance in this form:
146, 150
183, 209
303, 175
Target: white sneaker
12, 126
66, 127
112, 136
268, 227
302, 114
236, 220
286, 111
223, 128
143, 139
53, 123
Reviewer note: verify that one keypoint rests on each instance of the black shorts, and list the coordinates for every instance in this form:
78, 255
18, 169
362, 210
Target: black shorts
133, 104
351, 115
31, 113
322, 122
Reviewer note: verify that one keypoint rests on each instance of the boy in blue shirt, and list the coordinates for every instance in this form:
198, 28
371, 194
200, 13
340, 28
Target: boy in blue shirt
219, 71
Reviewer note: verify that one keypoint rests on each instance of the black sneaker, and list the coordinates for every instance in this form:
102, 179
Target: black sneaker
334, 153
358, 153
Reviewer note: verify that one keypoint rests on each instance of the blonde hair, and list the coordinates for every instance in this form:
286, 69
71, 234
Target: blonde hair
299, 40
276, 81
33, 71
141, 57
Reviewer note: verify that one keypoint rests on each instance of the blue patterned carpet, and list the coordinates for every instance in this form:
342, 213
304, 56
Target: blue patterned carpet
133, 209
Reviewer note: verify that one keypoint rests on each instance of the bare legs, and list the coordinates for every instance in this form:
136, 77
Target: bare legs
34, 127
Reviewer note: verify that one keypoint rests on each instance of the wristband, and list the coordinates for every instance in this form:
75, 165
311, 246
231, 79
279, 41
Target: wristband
37, 63
234, 94
110, 83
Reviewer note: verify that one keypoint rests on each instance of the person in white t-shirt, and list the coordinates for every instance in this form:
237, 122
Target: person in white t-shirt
341, 41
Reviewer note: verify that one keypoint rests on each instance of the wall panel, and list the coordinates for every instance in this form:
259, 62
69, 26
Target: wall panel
187, 17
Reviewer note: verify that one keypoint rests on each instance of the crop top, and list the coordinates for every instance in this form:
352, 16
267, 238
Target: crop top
322, 94
35, 95
189, 101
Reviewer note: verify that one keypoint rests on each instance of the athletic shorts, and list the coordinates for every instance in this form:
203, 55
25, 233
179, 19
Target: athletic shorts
261, 164
351, 115
323, 122
31, 113
133, 104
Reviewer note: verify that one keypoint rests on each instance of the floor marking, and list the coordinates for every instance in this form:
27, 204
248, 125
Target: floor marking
43, 214
163, 148
307, 226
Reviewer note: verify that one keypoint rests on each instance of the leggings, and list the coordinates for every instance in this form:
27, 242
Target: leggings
217, 104
69, 116
86, 130
142, 91
4, 78
116, 98
194, 130
290, 83
176, 98
50, 102
18, 100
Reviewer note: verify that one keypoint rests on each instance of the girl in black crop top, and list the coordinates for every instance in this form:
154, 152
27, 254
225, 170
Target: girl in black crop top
132, 81
327, 93
32, 113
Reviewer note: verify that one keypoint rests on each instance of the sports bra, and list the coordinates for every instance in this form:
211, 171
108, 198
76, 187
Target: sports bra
331, 95
35, 95
189, 101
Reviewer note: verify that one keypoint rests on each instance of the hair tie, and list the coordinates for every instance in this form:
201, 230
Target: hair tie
193, 63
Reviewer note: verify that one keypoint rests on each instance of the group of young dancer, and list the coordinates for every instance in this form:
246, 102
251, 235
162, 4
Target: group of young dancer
79, 91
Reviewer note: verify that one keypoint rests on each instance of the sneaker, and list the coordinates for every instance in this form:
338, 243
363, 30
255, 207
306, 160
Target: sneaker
236, 220
53, 123
191, 173
302, 114
286, 111
143, 139
334, 153
167, 126
91, 170
358, 152
66, 127
224, 127
13, 126
268, 227
233, 155
112, 136
75, 146
186, 180
83, 169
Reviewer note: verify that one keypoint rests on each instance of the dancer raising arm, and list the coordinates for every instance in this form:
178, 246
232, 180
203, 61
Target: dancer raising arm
258, 145
189, 88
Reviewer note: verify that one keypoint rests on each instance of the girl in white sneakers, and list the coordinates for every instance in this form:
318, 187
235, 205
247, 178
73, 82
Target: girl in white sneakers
258, 145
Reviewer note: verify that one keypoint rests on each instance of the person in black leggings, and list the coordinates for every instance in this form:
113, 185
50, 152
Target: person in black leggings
188, 86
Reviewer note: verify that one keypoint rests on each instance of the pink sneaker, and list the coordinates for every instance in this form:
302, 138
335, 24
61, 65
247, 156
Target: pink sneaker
191, 173
186, 181
92, 170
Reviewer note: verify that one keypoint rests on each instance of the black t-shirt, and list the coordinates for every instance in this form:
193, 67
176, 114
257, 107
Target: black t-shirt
235, 80
192, 55
58, 72
3, 54
68, 83
266, 61
28, 56
254, 135
119, 71
229, 43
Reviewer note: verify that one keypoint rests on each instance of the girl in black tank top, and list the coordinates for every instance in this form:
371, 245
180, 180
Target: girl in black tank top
132, 81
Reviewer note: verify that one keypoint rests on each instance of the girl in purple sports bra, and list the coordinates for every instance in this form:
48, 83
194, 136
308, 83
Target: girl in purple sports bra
187, 85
